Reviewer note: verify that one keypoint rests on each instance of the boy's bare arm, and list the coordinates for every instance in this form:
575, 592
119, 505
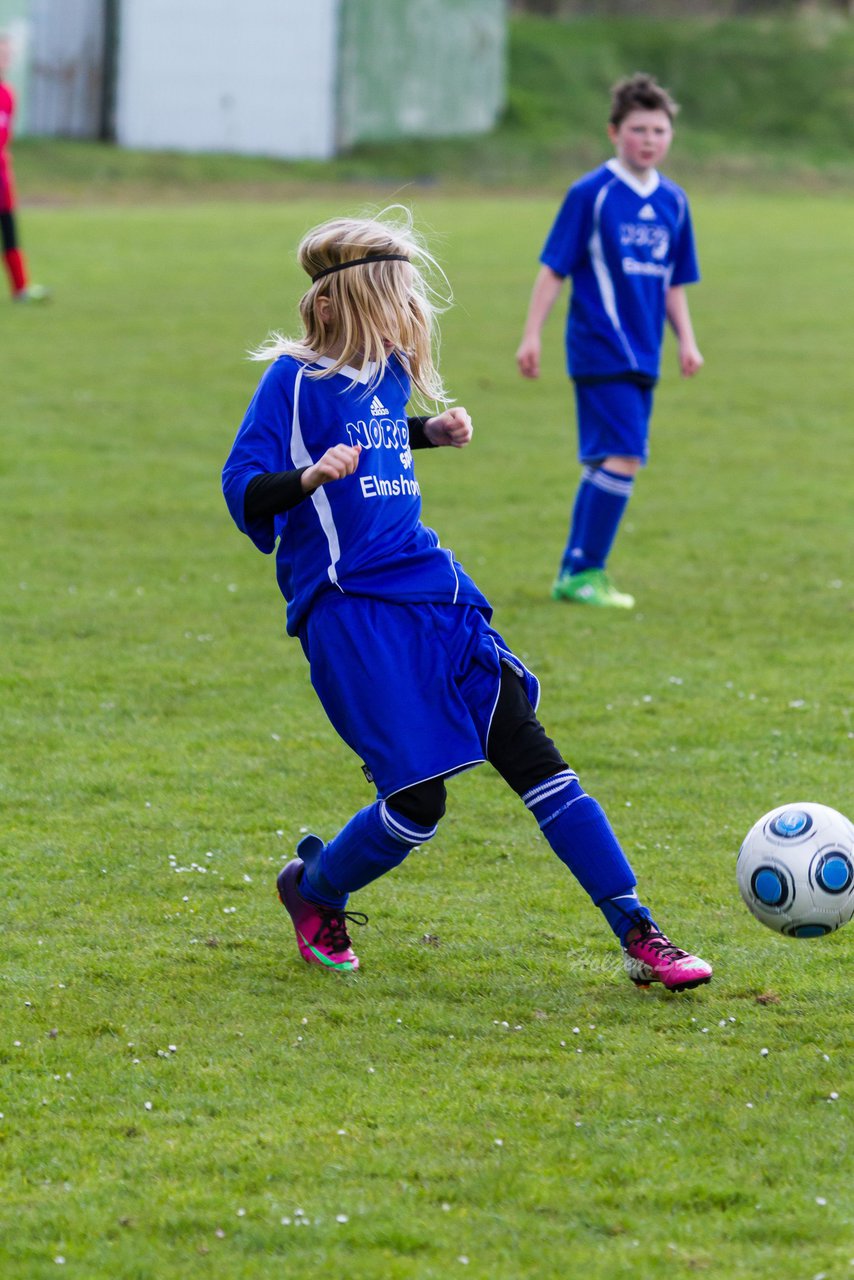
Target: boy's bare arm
547, 286
690, 360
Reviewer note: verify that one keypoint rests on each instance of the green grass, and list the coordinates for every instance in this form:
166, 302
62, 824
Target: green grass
154, 717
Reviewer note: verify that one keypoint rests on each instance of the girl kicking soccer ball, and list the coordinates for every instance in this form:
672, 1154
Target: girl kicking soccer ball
397, 635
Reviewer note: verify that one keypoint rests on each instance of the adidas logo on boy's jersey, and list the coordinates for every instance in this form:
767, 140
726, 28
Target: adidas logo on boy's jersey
647, 213
378, 409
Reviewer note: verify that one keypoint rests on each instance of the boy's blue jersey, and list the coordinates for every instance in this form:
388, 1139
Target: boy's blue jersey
624, 245
361, 535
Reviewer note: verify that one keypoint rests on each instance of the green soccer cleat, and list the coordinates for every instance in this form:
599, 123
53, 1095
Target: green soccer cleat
32, 293
592, 586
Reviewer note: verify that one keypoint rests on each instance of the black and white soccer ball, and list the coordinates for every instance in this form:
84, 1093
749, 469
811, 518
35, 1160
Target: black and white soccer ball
795, 870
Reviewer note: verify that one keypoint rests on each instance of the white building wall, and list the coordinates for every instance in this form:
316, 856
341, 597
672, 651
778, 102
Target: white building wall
258, 77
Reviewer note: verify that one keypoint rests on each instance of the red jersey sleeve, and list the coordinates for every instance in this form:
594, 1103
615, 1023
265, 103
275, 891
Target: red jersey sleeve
7, 111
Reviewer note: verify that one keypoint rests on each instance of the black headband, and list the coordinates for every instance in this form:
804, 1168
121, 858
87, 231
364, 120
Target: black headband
359, 262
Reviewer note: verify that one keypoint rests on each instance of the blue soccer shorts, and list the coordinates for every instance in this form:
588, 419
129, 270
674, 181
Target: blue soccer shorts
411, 688
613, 419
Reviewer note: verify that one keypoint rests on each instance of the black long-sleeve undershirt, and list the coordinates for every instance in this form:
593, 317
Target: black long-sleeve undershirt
275, 492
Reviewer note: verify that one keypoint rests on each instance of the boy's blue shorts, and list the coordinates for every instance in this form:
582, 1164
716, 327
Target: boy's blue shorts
411, 688
613, 418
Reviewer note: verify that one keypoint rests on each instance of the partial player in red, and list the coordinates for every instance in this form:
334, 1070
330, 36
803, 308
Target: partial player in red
13, 258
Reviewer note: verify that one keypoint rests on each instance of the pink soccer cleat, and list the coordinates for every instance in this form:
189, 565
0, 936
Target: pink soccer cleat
652, 957
321, 932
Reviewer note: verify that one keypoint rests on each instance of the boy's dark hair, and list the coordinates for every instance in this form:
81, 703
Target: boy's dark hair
639, 92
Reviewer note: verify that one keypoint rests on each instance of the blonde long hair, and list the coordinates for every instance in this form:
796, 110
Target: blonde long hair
392, 301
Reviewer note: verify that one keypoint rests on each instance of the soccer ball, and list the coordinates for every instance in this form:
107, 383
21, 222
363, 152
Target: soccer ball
795, 870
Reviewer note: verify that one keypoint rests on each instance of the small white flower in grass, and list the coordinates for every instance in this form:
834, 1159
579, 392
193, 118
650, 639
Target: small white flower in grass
219, 1233
463, 1259
676, 680
499, 1142
797, 702
277, 737
833, 1097
722, 1022
341, 1217
149, 1106
576, 1031
749, 1106
299, 1213
186, 898
371, 1071
241, 1213
342, 1133
247, 879
446, 1208
763, 1053
173, 1048
59, 1260
563, 1044
820, 1200
286, 1222
17, 1044
826, 1057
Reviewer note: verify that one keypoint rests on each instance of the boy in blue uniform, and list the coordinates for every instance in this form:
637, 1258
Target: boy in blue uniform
624, 235
398, 637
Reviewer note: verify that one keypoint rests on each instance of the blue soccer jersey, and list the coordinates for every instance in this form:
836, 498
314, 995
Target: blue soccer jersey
624, 244
361, 535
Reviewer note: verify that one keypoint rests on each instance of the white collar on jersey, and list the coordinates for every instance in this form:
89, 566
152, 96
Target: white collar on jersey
355, 375
640, 188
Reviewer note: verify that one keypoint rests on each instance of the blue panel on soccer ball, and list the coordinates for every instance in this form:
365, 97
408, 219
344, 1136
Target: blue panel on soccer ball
768, 887
794, 822
811, 931
834, 873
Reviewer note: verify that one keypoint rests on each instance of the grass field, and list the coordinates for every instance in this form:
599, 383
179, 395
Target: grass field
489, 1096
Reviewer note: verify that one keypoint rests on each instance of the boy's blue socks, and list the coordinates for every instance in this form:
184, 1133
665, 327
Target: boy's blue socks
374, 841
578, 831
599, 505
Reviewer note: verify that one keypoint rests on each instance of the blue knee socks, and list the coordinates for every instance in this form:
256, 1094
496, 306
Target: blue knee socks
578, 831
374, 841
601, 499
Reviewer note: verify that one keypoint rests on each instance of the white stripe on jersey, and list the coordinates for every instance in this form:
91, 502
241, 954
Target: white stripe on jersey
302, 458
603, 275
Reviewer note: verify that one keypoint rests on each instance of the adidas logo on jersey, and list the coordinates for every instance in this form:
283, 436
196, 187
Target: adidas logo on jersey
378, 409
647, 213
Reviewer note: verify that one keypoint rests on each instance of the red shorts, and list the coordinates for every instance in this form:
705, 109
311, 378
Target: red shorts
7, 184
